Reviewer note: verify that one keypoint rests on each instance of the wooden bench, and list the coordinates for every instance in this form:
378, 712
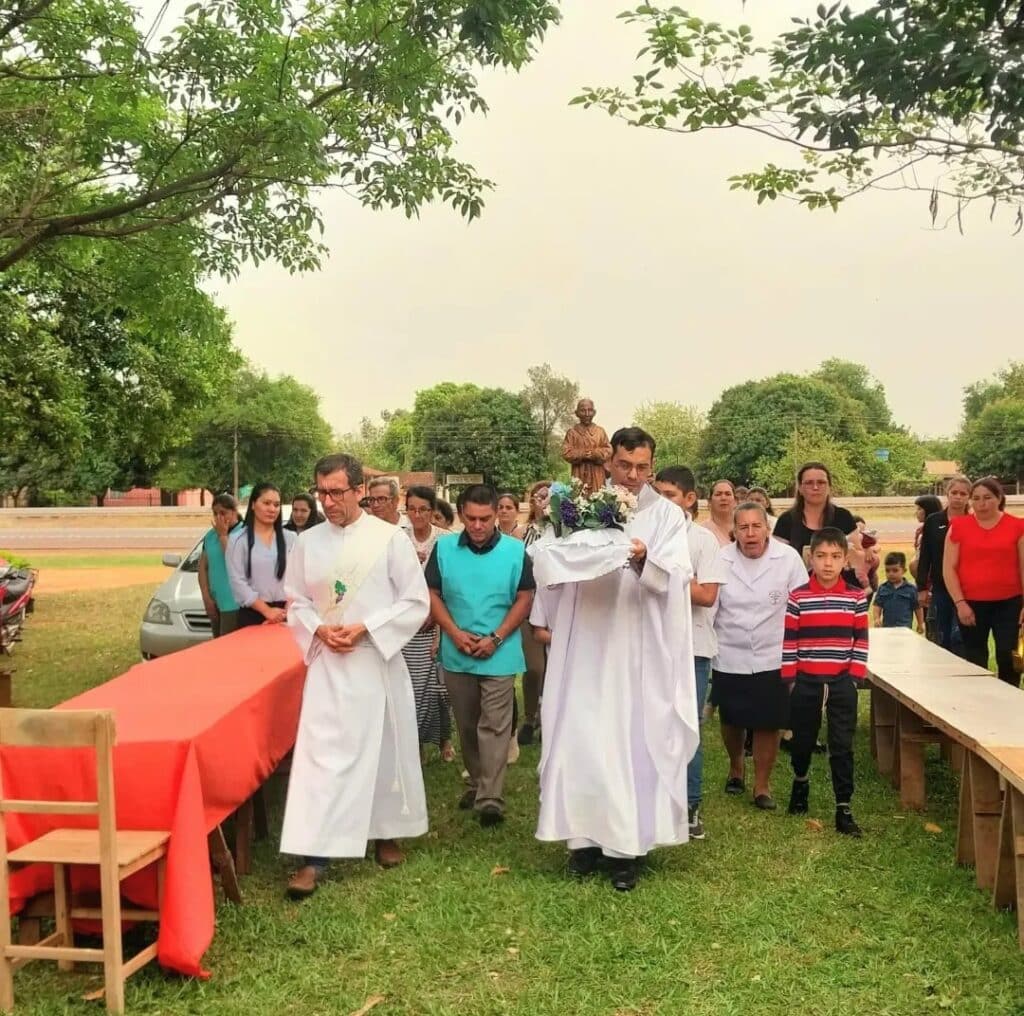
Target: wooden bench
922, 694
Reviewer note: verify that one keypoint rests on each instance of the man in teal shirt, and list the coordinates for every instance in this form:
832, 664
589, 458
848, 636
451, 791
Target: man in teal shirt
481, 590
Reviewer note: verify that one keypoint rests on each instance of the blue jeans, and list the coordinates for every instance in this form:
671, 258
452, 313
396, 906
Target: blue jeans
947, 626
695, 769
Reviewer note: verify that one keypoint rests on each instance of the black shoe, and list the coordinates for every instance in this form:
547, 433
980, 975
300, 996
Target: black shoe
526, 734
845, 823
584, 862
696, 824
625, 873
735, 785
799, 796
467, 800
490, 816
765, 802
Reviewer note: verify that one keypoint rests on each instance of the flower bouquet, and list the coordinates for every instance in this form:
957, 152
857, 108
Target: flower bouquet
585, 538
571, 508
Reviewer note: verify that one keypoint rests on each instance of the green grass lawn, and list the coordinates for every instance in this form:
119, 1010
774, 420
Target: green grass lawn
767, 916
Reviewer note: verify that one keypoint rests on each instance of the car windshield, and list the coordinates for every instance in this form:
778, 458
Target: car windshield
191, 563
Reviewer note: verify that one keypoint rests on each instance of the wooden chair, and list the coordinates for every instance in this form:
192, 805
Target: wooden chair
116, 854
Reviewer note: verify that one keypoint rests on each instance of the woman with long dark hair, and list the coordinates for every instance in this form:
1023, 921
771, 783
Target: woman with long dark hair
934, 597
925, 505
214, 583
814, 509
305, 513
257, 558
983, 568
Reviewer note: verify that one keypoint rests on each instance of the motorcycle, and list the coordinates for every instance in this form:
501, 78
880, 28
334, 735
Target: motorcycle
16, 602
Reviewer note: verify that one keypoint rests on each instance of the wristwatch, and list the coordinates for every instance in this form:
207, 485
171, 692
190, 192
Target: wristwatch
496, 639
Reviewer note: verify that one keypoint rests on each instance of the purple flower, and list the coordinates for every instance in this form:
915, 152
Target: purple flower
570, 514
606, 515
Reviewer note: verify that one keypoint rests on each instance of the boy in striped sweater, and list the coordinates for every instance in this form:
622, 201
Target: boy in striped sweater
824, 659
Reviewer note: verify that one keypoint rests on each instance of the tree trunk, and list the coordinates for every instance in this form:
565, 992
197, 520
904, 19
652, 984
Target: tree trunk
168, 498
100, 498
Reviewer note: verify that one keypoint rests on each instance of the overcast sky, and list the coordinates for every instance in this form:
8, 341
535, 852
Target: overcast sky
620, 257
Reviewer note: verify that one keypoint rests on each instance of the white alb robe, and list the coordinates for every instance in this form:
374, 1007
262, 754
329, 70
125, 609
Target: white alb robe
619, 711
356, 769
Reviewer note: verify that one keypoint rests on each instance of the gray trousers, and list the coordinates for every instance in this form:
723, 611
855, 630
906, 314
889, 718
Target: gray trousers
483, 716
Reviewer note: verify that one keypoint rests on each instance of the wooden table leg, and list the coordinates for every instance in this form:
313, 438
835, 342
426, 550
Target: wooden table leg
911, 760
243, 838
1004, 891
883, 709
225, 865
260, 816
1017, 814
988, 810
965, 817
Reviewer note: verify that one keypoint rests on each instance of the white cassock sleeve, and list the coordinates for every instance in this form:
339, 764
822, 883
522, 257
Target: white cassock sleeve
392, 626
303, 618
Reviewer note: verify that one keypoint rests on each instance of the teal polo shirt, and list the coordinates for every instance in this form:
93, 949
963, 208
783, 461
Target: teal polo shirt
217, 571
478, 586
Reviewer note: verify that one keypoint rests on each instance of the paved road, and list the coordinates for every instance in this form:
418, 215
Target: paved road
179, 539
176, 539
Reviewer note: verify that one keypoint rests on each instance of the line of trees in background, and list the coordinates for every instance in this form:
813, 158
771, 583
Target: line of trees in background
110, 414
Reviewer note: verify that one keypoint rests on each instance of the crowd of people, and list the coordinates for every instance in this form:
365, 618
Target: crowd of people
770, 612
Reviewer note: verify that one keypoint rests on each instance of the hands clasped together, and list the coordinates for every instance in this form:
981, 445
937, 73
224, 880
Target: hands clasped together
341, 638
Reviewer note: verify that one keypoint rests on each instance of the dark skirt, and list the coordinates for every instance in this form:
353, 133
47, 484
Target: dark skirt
249, 618
755, 701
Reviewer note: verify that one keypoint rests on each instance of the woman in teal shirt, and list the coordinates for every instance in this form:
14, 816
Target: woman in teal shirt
221, 607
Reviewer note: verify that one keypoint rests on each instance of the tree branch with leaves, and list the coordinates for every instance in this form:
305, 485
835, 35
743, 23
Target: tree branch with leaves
918, 95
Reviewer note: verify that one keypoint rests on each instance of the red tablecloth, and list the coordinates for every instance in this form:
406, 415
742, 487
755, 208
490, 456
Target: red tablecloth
197, 733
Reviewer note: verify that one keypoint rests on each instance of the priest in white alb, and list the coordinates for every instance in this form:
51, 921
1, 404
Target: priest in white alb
356, 596
619, 712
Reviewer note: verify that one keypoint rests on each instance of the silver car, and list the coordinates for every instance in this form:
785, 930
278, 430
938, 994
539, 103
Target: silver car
176, 618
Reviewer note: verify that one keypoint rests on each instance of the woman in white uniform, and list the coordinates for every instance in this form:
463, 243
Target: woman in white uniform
746, 683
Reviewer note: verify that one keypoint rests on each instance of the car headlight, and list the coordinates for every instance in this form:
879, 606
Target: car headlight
157, 613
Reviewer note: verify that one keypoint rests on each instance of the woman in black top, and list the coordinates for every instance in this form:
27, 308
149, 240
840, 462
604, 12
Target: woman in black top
814, 509
305, 513
933, 595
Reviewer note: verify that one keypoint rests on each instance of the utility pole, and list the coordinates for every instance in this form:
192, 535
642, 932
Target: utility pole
234, 463
796, 459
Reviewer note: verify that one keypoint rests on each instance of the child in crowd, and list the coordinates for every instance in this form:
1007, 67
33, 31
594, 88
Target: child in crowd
896, 604
678, 485
824, 658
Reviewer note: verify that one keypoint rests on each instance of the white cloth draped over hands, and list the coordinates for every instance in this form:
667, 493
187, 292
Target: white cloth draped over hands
619, 712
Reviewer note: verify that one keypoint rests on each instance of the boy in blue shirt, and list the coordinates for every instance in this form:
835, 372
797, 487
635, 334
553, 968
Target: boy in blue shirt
896, 604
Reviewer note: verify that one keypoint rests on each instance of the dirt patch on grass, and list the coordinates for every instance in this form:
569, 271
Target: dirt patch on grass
68, 580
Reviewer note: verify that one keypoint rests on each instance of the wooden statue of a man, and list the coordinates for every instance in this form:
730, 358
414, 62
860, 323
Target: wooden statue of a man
586, 447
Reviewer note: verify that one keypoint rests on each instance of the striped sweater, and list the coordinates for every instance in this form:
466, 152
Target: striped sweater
826, 632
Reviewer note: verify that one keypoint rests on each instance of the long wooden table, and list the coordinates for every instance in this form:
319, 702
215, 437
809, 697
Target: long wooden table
922, 694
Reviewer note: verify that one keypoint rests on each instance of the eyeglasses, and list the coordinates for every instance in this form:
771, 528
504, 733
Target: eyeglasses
419, 511
381, 499
335, 493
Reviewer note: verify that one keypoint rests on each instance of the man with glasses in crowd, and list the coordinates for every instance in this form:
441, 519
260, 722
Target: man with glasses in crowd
356, 596
382, 500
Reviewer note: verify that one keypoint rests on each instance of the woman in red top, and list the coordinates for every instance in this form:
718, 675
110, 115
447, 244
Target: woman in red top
983, 568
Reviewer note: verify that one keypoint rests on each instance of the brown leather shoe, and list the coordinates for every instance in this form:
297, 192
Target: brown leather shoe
388, 854
303, 883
